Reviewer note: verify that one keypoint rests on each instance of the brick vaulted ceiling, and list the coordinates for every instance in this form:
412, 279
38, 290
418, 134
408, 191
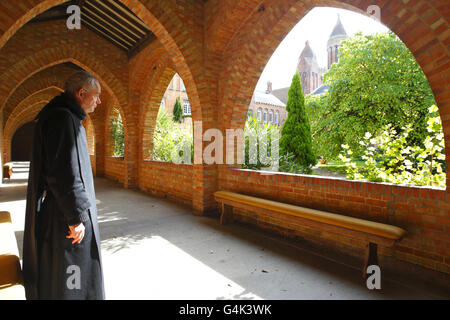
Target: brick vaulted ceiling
109, 19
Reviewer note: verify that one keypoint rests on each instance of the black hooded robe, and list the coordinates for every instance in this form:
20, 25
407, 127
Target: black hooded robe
61, 193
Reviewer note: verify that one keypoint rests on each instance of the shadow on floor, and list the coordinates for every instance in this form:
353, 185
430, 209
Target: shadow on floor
263, 265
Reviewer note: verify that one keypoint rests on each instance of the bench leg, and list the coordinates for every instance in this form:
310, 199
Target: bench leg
371, 257
227, 214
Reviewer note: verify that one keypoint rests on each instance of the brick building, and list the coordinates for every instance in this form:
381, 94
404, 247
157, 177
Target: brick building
311, 74
219, 48
177, 90
267, 107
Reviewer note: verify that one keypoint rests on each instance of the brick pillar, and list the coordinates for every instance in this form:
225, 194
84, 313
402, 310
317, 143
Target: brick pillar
99, 122
204, 182
205, 175
1, 146
132, 142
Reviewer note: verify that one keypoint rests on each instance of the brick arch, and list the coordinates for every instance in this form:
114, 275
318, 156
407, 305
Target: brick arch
425, 40
108, 139
150, 105
32, 64
22, 111
161, 17
16, 123
231, 16
146, 63
417, 209
51, 77
420, 26
34, 104
45, 94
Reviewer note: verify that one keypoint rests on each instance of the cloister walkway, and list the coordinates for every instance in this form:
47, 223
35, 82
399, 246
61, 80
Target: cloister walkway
155, 249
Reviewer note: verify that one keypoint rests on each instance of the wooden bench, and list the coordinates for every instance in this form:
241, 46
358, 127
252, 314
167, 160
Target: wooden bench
11, 281
372, 233
7, 170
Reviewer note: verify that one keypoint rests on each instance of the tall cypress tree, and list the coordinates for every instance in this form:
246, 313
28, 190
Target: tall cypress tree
296, 131
177, 111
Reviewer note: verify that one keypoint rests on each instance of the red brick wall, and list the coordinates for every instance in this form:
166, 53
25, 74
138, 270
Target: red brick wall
220, 48
164, 179
115, 168
423, 212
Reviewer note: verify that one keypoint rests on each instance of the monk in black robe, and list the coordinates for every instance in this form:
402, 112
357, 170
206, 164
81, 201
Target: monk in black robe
61, 248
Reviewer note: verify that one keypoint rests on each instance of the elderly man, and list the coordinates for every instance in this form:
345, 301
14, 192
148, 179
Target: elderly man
61, 249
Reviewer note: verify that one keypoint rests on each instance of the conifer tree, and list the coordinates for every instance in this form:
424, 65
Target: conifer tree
177, 111
296, 132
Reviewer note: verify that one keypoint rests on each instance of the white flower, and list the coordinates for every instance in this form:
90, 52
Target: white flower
406, 150
428, 144
367, 135
433, 108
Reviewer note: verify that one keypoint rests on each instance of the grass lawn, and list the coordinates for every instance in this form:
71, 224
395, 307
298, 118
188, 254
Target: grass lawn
339, 166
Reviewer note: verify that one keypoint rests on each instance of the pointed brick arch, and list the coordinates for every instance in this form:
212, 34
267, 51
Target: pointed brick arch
163, 18
115, 167
50, 77
423, 27
159, 16
41, 95
16, 123
420, 25
150, 106
113, 111
30, 107
25, 111
54, 56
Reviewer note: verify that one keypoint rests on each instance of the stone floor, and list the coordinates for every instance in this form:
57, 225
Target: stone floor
155, 249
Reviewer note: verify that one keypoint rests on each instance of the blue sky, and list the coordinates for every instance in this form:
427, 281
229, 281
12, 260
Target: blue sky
316, 27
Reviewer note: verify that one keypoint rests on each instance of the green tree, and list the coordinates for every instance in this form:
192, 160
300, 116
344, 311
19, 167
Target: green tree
177, 111
376, 82
117, 134
316, 108
258, 139
401, 163
296, 131
171, 140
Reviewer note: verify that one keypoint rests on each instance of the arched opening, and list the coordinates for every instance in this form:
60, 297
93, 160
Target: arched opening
368, 86
173, 134
116, 140
22, 141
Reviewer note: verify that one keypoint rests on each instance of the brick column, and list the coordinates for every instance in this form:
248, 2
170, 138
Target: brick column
1, 146
99, 122
132, 141
205, 176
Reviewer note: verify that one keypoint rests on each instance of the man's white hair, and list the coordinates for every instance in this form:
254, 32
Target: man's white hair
78, 80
